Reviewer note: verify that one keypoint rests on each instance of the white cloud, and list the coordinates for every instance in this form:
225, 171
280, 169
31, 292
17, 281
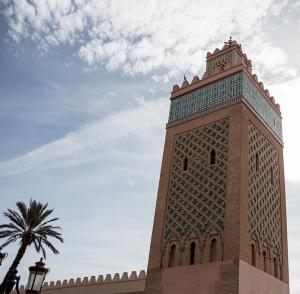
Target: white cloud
286, 93
98, 140
269, 61
142, 125
139, 36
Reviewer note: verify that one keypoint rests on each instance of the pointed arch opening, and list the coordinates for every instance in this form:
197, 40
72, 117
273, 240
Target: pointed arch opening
172, 255
212, 157
192, 253
265, 260
185, 164
275, 265
253, 255
213, 251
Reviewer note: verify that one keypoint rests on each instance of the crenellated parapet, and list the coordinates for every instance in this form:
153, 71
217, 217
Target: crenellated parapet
218, 64
227, 80
97, 282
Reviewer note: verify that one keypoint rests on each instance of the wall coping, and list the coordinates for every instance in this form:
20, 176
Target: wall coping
93, 280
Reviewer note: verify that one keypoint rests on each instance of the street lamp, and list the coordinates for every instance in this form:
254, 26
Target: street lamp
3, 255
36, 278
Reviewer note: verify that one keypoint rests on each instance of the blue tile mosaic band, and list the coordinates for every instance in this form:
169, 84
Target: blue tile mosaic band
262, 107
220, 94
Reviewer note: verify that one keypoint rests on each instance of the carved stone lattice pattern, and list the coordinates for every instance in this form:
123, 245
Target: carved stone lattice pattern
196, 197
264, 191
218, 63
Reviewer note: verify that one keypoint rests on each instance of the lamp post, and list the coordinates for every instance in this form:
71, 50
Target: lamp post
3, 255
36, 278
12, 280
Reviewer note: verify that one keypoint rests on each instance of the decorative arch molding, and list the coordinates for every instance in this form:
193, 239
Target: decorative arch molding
192, 234
191, 255
213, 245
267, 257
167, 253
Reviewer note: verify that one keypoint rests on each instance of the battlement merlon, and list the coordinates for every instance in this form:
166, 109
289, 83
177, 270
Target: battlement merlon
222, 63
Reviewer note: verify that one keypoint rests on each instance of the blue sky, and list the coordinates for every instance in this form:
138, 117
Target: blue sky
84, 92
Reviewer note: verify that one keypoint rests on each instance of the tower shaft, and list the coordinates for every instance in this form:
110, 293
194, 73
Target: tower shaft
220, 219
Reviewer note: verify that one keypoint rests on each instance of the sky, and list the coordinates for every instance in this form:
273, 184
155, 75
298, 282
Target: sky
84, 99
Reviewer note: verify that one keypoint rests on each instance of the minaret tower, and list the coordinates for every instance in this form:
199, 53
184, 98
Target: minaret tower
220, 219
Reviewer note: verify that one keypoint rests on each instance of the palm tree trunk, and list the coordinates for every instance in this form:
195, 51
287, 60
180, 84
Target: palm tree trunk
14, 265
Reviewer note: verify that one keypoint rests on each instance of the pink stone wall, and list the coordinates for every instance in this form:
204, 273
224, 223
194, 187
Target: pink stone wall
108, 288
193, 279
253, 280
118, 284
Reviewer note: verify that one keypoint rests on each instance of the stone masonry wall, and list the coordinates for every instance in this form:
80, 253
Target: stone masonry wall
125, 284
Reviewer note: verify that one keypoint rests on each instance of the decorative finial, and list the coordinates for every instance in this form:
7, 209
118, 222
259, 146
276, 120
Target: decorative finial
229, 42
184, 77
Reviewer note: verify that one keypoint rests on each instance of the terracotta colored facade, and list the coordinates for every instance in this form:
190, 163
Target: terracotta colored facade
220, 219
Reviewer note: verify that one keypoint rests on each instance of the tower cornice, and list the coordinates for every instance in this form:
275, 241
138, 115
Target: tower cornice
223, 63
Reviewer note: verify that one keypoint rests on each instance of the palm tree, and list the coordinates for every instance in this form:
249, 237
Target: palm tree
29, 226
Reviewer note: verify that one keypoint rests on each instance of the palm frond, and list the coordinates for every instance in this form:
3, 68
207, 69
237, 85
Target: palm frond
50, 233
43, 251
23, 210
9, 241
10, 226
47, 222
15, 218
44, 215
50, 245
8, 233
37, 246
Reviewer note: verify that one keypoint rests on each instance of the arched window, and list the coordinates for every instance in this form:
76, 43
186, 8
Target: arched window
213, 251
272, 176
192, 253
265, 261
275, 267
253, 255
212, 157
172, 256
257, 162
185, 164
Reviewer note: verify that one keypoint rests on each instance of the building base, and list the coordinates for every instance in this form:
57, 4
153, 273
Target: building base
215, 278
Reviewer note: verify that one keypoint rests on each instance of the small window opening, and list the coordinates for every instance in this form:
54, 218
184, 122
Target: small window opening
172, 256
253, 255
185, 164
265, 261
275, 267
257, 162
272, 176
212, 156
192, 253
213, 251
